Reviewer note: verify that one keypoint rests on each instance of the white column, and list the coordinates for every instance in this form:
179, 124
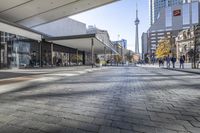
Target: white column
52, 54
92, 52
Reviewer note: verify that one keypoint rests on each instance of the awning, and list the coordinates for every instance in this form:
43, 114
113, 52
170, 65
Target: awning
19, 30
31, 13
83, 43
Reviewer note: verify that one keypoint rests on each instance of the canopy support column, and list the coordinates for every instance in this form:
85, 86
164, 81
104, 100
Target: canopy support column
111, 57
105, 55
77, 57
40, 45
52, 55
92, 52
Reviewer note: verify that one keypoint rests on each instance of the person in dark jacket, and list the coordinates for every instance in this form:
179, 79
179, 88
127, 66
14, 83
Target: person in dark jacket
168, 61
182, 61
173, 60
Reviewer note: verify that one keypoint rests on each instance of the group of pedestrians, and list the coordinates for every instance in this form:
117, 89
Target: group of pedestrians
172, 60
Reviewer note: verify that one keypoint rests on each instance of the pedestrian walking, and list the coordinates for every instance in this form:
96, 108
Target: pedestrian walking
160, 62
173, 60
168, 61
182, 61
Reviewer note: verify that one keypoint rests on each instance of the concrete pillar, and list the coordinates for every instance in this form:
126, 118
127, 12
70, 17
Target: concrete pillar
77, 57
69, 58
122, 55
84, 62
92, 52
105, 55
111, 57
52, 54
40, 45
0, 52
6, 55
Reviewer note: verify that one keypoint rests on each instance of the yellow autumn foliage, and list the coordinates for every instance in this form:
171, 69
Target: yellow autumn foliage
118, 58
164, 48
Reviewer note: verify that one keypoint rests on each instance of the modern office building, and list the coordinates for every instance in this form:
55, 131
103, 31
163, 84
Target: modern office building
155, 6
171, 21
144, 44
105, 38
22, 46
122, 42
102, 35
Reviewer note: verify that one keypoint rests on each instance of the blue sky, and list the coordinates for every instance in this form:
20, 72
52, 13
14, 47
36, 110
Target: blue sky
118, 19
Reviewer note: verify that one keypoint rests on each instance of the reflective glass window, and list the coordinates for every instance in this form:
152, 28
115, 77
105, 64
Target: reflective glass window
186, 14
168, 19
195, 13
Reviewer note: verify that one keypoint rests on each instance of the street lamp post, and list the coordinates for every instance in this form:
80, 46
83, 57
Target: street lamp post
196, 42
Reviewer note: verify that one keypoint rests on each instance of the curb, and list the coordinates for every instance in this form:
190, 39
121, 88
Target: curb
182, 70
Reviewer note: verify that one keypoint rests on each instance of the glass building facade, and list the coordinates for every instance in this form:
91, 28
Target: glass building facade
189, 14
155, 6
168, 18
17, 51
186, 14
195, 12
20, 52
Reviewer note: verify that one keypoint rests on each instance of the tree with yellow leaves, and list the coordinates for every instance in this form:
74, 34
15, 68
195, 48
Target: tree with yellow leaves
164, 48
118, 59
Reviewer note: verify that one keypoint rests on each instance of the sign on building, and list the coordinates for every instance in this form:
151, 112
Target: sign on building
177, 12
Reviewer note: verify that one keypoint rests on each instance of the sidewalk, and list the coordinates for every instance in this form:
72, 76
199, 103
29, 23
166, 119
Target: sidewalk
187, 68
13, 73
23, 78
21, 75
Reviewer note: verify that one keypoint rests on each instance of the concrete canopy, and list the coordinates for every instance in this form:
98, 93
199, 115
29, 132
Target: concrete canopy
19, 30
83, 43
31, 13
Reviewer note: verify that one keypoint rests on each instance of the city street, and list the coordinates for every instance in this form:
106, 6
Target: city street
110, 100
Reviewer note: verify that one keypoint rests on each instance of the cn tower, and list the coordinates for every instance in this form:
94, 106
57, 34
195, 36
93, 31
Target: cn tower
137, 21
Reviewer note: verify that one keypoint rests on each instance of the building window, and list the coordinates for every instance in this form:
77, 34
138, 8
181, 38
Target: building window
195, 13
153, 45
168, 19
161, 33
186, 14
160, 30
152, 38
161, 37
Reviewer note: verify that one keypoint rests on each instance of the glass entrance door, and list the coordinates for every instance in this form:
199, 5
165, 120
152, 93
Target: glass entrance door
20, 54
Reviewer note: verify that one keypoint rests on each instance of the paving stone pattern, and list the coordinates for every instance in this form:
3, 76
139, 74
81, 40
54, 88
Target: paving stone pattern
114, 100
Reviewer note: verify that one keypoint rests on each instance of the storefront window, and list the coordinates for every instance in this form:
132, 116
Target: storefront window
17, 51
20, 52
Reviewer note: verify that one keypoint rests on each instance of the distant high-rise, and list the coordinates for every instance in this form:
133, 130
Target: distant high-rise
156, 5
172, 20
137, 21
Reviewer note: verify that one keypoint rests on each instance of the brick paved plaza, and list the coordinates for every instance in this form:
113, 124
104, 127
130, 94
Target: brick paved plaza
112, 100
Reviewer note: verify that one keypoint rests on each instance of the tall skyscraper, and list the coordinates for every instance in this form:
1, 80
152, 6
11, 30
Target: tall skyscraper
137, 21
172, 20
156, 5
